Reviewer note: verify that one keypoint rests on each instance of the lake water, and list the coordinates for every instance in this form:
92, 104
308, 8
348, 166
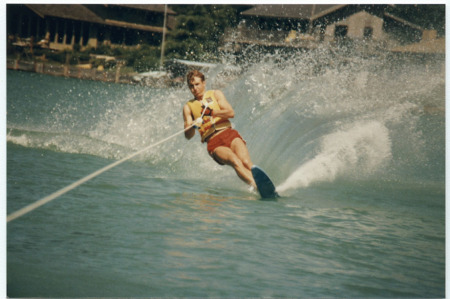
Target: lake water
356, 149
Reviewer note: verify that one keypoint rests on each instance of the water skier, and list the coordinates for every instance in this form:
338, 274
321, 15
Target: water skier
210, 112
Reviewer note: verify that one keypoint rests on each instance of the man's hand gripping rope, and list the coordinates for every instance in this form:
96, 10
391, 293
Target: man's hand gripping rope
206, 111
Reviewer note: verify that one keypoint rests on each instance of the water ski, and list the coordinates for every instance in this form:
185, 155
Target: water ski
265, 186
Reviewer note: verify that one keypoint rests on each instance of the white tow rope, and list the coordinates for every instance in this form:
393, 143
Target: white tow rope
66, 189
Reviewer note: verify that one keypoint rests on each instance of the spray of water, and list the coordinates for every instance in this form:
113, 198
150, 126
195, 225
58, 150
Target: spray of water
307, 117
358, 151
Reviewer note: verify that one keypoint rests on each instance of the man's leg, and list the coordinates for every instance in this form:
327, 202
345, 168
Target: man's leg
240, 149
228, 157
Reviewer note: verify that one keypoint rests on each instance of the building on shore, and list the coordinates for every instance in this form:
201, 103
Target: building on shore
367, 29
65, 26
69, 26
311, 26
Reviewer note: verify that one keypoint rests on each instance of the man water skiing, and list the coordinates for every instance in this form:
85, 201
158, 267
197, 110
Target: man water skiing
210, 112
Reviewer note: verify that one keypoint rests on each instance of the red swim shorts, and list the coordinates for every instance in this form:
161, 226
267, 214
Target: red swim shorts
225, 138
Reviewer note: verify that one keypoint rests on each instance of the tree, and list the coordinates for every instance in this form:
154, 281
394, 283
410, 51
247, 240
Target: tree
199, 29
427, 16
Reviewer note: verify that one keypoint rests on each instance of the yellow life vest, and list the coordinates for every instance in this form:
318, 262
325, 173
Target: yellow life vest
210, 124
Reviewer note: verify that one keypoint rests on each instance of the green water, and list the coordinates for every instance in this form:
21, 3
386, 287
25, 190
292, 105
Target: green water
359, 164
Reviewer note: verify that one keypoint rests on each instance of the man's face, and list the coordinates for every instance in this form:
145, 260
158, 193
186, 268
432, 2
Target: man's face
197, 87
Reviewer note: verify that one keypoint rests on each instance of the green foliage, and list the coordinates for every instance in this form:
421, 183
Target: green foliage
79, 57
426, 16
56, 56
146, 64
145, 59
142, 58
199, 29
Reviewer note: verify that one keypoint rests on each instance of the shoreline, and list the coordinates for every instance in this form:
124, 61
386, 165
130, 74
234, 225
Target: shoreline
109, 76
78, 72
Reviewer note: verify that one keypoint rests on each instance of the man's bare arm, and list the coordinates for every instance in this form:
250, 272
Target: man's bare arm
188, 121
226, 111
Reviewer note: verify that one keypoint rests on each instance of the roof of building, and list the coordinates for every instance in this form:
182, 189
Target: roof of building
293, 11
133, 26
67, 11
149, 7
402, 21
80, 12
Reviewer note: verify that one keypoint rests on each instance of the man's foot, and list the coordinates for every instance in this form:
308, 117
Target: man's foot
252, 189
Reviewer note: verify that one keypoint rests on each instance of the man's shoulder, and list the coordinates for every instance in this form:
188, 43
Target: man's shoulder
218, 94
187, 108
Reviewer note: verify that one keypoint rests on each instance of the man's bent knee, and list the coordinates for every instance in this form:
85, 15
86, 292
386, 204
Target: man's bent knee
235, 162
247, 164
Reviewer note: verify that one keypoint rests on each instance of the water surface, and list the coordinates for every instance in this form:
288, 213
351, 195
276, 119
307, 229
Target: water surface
356, 150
